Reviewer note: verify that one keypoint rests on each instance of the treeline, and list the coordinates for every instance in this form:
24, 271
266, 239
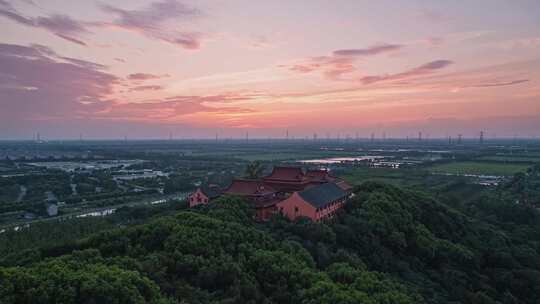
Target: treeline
37, 240
524, 188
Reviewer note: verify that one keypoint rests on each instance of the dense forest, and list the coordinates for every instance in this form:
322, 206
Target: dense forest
389, 245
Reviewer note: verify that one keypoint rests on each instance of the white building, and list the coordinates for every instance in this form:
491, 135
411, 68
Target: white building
52, 209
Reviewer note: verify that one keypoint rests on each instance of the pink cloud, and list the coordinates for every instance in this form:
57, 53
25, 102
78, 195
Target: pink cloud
150, 22
497, 84
146, 88
303, 68
370, 51
39, 85
144, 76
61, 25
332, 67
424, 69
71, 39
36, 83
163, 110
219, 98
341, 62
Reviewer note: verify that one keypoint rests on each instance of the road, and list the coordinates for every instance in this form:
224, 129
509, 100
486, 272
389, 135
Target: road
103, 211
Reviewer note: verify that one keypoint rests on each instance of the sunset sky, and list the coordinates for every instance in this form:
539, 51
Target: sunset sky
144, 69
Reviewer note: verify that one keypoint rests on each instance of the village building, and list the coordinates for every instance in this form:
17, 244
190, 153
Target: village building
203, 195
317, 203
284, 190
51, 209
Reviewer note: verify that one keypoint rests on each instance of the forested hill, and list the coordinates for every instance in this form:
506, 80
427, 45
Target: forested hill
212, 256
389, 245
442, 253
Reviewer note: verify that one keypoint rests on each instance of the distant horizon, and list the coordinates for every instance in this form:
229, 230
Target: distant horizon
350, 139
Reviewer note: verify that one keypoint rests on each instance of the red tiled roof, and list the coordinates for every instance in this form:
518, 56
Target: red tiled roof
248, 187
286, 174
317, 175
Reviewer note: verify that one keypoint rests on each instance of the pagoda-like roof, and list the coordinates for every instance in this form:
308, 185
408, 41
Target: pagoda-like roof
318, 175
286, 174
248, 187
322, 195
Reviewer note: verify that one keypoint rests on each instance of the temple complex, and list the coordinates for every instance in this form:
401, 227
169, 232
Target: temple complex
292, 191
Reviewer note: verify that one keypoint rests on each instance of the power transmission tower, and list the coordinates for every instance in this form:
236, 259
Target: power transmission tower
481, 137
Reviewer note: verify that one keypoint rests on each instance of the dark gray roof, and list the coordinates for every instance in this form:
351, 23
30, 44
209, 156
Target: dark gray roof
322, 195
211, 192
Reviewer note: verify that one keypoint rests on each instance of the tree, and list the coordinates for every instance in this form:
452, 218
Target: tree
254, 170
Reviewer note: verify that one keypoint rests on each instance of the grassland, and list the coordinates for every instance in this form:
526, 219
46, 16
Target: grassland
479, 168
455, 189
386, 175
509, 158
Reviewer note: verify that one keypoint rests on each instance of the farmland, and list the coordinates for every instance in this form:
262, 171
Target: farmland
479, 168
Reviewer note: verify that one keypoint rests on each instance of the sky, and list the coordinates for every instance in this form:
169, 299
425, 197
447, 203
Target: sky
194, 69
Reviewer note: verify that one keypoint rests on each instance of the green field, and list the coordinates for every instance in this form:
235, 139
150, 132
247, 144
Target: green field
510, 159
398, 177
293, 155
479, 168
